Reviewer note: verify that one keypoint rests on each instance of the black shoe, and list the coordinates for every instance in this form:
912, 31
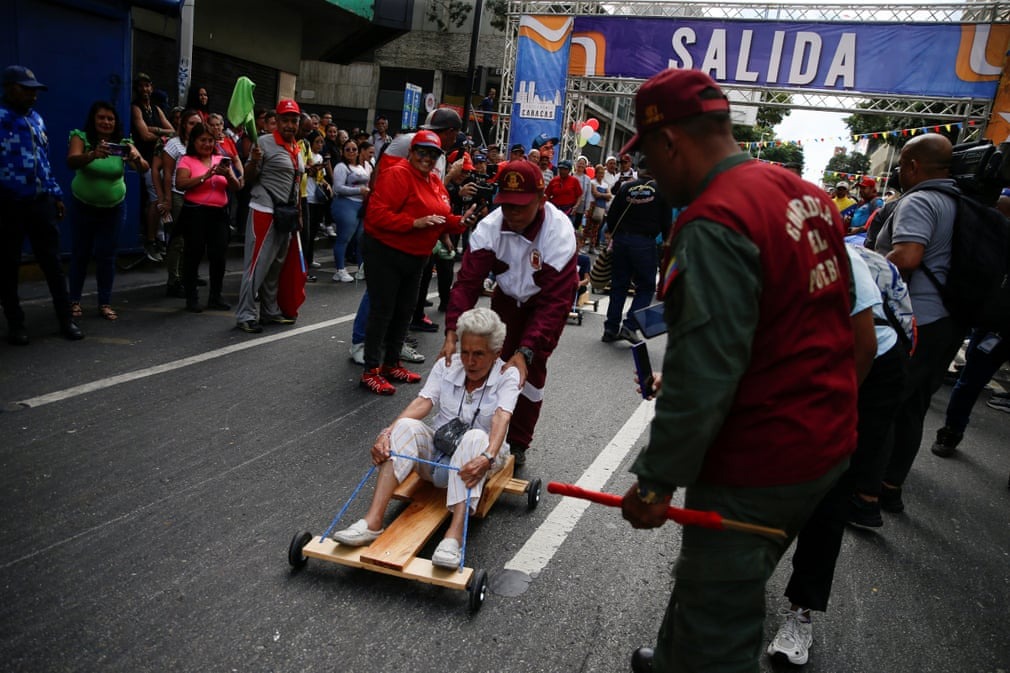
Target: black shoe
194, 306
249, 326
17, 335
280, 320
863, 513
946, 442
610, 337
71, 332
627, 335
200, 282
311, 279
217, 304
641, 660
176, 290
426, 326
890, 500
519, 451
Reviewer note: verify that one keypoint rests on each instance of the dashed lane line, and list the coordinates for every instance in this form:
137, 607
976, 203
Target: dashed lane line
548, 538
102, 384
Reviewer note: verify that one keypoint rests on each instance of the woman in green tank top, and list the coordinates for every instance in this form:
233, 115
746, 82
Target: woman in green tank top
98, 154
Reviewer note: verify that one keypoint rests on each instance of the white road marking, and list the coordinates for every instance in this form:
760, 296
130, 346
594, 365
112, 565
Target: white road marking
110, 381
545, 541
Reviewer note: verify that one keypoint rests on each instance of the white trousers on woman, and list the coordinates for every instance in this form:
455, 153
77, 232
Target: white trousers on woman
414, 438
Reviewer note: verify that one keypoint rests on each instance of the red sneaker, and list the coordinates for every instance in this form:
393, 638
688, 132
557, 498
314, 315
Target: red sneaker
376, 382
400, 374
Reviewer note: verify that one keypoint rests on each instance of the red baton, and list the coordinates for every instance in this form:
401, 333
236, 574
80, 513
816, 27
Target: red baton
685, 517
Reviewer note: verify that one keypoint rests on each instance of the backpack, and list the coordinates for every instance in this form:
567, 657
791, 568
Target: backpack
977, 292
893, 290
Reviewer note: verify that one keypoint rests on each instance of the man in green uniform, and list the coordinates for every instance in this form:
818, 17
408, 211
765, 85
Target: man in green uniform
756, 411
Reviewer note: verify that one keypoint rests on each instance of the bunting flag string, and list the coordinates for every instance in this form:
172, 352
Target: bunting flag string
855, 138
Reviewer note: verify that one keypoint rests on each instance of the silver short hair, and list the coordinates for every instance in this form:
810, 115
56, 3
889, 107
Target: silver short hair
483, 322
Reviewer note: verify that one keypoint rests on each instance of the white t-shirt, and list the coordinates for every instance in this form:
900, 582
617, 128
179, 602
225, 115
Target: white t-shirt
867, 296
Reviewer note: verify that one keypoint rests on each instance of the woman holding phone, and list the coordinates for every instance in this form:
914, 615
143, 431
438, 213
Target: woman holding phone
205, 178
99, 156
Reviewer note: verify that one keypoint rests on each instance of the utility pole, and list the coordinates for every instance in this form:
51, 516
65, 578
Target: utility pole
471, 67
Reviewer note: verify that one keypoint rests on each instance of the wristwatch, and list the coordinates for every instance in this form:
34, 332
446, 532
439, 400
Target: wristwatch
527, 354
490, 459
651, 495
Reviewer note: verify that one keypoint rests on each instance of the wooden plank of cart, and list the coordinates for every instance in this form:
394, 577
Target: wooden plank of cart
395, 551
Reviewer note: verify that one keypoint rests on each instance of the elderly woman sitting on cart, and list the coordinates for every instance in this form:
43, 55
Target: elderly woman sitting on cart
475, 389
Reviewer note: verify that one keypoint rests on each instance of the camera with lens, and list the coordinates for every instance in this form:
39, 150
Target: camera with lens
981, 169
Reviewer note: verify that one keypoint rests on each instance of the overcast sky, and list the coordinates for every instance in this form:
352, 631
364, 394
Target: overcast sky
809, 127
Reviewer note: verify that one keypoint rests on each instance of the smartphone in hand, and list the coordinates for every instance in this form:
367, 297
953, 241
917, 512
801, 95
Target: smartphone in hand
643, 367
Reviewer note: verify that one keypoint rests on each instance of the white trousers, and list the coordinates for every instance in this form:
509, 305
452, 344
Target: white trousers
415, 438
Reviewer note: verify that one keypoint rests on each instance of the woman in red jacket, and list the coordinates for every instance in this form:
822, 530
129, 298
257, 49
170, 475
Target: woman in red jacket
407, 211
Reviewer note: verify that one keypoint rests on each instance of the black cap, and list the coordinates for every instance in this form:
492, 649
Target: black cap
20, 75
442, 119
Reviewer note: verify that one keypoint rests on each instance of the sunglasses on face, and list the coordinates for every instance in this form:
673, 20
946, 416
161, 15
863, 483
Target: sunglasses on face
427, 153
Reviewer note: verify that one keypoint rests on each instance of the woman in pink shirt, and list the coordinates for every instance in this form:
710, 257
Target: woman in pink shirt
205, 178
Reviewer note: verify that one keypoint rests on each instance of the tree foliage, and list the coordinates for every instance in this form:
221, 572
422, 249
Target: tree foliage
846, 162
448, 13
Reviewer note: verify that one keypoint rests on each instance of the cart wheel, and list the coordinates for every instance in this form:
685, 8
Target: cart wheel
477, 590
580, 319
295, 556
533, 494
596, 304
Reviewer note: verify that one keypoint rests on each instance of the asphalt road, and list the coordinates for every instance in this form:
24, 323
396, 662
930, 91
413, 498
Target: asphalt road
144, 523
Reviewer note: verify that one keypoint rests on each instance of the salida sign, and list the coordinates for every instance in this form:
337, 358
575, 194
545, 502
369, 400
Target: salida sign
945, 60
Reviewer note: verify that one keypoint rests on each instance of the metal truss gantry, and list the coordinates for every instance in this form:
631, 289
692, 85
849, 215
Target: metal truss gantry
973, 113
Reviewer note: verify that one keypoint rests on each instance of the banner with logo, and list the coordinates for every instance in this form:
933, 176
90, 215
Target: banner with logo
541, 66
941, 60
411, 106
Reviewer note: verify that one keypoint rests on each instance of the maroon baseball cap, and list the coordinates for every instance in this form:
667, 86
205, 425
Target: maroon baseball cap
519, 183
670, 96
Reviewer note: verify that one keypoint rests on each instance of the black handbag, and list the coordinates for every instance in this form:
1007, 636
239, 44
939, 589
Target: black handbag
448, 436
286, 214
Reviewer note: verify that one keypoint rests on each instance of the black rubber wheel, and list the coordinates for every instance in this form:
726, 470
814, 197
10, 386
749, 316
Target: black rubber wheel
596, 305
295, 556
580, 319
477, 590
533, 494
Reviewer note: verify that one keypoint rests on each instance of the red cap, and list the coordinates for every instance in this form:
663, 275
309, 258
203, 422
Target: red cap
286, 106
670, 96
519, 183
867, 181
426, 139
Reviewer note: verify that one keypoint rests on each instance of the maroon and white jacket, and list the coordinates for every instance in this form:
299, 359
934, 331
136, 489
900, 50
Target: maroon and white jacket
536, 269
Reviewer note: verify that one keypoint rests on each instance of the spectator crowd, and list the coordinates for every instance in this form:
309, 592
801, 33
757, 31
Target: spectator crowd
692, 220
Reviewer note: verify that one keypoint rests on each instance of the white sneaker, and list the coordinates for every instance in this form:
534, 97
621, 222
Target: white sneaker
792, 642
446, 554
316, 265
358, 353
330, 230
341, 276
360, 273
357, 535
407, 354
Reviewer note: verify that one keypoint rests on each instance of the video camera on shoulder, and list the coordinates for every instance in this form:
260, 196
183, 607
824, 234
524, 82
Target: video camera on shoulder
981, 169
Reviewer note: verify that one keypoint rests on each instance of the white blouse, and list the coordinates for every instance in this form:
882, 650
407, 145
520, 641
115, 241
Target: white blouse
446, 389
